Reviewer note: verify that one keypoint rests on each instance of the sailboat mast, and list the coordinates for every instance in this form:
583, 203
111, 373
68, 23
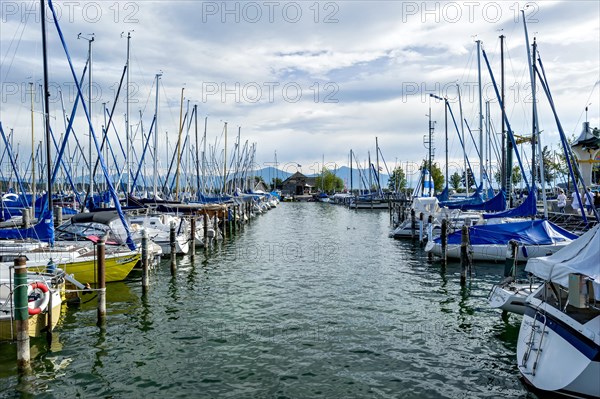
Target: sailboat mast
197, 160
480, 111
225, 161
32, 154
446, 135
204, 155
462, 130
535, 133
351, 182
155, 162
46, 105
377, 157
127, 137
179, 146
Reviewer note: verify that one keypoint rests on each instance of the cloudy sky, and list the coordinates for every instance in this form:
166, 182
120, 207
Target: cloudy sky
308, 80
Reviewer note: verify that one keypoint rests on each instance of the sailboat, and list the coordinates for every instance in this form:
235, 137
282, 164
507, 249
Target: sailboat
558, 348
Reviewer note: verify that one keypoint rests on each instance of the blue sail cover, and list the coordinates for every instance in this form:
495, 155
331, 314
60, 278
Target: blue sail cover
475, 199
496, 204
213, 200
527, 208
43, 230
444, 195
531, 232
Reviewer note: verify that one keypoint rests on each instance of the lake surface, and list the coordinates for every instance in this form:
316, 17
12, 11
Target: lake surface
310, 300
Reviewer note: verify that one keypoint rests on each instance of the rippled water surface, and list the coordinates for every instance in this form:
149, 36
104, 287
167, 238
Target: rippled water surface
309, 301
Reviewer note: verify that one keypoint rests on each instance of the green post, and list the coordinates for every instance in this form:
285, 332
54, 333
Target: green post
21, 313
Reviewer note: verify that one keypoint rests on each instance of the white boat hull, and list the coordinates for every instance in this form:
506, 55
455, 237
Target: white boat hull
496, 252
561, 357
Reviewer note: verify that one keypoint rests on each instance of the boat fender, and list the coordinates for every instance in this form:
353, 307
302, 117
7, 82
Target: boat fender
38, 305
524, 251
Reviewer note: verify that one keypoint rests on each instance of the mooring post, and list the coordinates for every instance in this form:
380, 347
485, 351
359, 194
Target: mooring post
144, 261
465, 259
224, 221
216, 224
421, 216
430, 234
193, 236
101, 285
444, 241
25, 217
22, 313
234, 221
58, 216
205, 227
413, 223
511, 258
173, 248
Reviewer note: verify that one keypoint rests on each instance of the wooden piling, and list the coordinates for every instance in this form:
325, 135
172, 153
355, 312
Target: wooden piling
144, 261
413, 223
216, 224
101, 285
421, 216
234, 221
444, 241
205, 233
25, 217
193, 236
58, 216
430, 235
224, 221
22, 314
465, 259
173, 248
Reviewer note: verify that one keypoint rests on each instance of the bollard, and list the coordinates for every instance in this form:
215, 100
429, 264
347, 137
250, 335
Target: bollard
193, 236
173, 248
234, 221
421, 228
58, 216
413, 224
224, 222
101, 283
205, 227
21, 313
230, 222
465, 260
144, 261
444, 241
25, 218
430, 234
510, 265
216, 224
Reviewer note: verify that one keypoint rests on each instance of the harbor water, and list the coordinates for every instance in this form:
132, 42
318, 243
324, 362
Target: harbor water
309, 300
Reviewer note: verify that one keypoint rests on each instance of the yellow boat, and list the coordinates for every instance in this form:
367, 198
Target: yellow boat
84, 269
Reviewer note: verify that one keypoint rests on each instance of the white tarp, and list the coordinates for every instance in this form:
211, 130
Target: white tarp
581, 256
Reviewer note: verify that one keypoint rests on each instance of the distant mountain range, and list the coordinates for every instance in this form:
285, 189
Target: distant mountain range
269, 173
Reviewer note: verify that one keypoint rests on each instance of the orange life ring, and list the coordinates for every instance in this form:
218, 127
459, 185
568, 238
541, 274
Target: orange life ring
38, 305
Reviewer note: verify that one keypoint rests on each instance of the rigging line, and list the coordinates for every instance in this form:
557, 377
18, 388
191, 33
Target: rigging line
12, 60
142, 76
521, 84
587, 102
